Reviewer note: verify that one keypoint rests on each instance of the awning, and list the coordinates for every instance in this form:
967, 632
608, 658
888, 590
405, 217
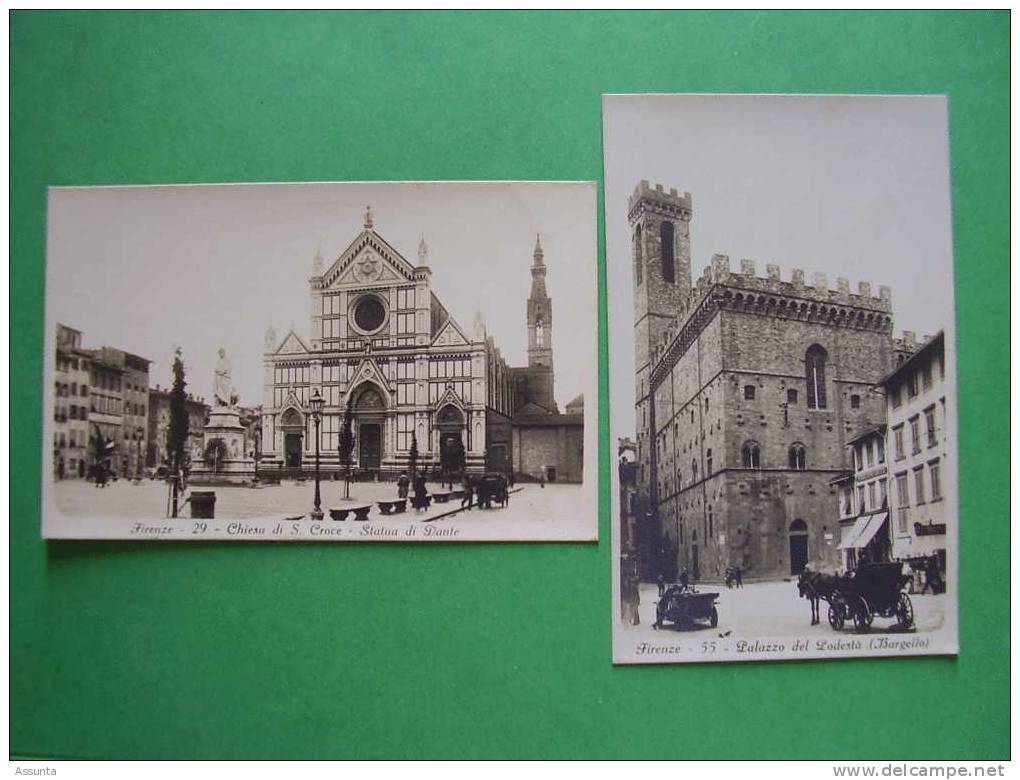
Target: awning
863, 531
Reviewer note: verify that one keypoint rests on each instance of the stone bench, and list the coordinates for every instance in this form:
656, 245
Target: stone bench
342, 513
442, 498
393, 507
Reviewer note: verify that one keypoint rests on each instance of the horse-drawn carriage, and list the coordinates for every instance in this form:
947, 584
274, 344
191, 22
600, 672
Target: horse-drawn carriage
684, 606
872, 589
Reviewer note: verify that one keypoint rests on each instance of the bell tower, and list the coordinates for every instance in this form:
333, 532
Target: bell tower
661, 261
540, 354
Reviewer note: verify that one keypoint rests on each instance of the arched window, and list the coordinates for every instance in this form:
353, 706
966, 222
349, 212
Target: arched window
708, 462
694, 469
750, 455
798, 457
814, 373
637, 254
666, 235
539, 333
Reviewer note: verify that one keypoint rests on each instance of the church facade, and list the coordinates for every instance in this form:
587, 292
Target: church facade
415, 378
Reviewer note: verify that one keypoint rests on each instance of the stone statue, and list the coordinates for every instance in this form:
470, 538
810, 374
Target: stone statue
223, 390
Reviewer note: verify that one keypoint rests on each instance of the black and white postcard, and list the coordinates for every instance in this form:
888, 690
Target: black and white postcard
780, 280
327, 361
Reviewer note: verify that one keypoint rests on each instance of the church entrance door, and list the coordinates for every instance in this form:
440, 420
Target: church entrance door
370, 446
292, 447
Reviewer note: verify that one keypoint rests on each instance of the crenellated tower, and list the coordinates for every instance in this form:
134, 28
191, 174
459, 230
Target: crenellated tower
661, 262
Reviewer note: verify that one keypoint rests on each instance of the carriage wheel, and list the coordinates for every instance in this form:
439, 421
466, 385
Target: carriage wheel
862, 616
713, 617
905, 611
837, 615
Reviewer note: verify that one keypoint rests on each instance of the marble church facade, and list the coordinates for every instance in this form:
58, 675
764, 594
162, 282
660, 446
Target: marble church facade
381, 339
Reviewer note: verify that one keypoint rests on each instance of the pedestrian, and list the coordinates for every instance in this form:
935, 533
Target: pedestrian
541, 478
469, 492
685, 579
661, 582
740, 577
402, 484
421, 493
510, 478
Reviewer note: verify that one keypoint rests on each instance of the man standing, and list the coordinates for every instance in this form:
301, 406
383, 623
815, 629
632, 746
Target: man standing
402, 485
469, 492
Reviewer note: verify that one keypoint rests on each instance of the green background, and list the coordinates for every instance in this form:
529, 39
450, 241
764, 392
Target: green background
243, 650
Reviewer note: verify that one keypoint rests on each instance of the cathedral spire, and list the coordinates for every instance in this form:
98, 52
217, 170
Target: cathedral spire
539, 255
423, 251
368, 217
317, 262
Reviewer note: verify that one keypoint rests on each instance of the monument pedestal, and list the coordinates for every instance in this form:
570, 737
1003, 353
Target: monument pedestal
235, 467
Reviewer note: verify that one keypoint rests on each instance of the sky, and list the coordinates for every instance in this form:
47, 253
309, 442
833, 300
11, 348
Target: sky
147, 269
851, 186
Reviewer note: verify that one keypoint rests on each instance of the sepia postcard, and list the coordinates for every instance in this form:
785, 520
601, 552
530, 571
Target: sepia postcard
323, 361
783, 397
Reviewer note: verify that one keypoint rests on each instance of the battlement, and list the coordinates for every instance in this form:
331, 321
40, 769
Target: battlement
719, 287
659, 199
818, 290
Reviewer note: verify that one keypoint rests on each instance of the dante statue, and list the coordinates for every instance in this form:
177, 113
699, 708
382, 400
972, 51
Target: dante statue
223, 390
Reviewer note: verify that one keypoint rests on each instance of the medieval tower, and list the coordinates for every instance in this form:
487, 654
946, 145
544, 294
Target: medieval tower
661, 247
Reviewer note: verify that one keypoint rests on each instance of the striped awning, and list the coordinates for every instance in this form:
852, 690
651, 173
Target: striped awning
863, 531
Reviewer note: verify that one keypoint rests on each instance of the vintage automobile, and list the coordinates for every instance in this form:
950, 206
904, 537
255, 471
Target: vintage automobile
490, 489
685, 606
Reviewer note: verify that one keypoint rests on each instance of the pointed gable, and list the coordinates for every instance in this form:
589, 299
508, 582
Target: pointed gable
450, 398
292, 344
368, 259
450, 335
369, 371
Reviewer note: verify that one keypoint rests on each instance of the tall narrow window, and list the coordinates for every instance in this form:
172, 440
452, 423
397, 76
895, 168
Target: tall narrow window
750, 456
637, 254
935, 473
814, 361
540, 334
798, 457
666, 235
708, 462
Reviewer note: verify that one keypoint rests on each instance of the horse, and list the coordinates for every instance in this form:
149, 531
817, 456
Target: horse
815, 587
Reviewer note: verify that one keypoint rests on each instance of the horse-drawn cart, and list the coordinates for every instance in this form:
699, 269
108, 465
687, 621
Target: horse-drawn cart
873, 589
685, 606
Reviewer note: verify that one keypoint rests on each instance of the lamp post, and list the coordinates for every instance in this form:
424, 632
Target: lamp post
257, 453
138, 456
316, 402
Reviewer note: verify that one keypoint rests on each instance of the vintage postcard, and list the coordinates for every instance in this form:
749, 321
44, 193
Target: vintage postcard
780, 279
325, 361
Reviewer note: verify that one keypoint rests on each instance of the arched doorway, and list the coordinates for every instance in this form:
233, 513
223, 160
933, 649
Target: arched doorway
450, 422
369, 409
292, 423
798, 546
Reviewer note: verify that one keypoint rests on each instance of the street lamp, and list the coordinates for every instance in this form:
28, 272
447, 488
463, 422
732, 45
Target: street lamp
257, 453
316, 402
